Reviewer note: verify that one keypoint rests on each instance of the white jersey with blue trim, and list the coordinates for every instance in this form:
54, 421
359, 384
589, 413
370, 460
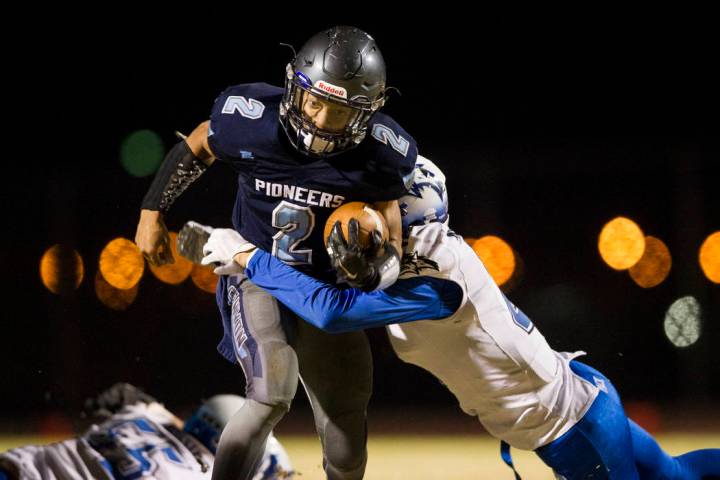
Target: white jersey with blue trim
489, 354
135, 443
426, 198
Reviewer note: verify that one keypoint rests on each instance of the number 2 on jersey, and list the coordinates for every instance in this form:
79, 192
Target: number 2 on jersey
295, 224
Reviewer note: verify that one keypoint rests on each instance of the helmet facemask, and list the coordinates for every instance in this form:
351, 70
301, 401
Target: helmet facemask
305, 135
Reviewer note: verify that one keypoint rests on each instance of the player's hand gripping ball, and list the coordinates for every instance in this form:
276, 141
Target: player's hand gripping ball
368, 220
357, 245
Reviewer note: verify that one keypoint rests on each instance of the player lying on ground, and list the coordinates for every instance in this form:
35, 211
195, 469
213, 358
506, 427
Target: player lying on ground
447, 315
299, 152
138, 437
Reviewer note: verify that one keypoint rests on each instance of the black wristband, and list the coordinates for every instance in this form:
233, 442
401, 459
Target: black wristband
179, 169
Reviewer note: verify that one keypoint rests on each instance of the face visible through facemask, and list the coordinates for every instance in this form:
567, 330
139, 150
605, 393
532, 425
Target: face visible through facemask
325, 115
325, 127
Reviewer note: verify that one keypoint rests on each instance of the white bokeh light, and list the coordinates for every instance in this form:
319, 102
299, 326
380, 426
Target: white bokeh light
682, 322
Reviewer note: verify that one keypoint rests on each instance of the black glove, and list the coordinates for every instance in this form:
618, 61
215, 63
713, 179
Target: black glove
375, 267
114, 399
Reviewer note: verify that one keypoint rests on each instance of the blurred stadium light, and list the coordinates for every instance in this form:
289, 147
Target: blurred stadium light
497, 256
112, 297
654, 265
61, 269
621, 243
204, 278
709, 257
141, 153
682, 322
173, 273
121, 263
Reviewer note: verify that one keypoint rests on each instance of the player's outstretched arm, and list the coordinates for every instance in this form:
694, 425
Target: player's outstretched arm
339, 310
183, 164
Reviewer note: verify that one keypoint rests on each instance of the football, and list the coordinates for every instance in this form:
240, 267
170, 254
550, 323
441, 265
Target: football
368, 218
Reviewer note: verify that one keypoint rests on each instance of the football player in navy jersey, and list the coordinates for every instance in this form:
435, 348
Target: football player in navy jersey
299, 152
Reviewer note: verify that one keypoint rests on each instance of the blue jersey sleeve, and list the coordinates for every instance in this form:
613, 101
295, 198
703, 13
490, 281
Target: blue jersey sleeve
244, 123
390, 153
340, 310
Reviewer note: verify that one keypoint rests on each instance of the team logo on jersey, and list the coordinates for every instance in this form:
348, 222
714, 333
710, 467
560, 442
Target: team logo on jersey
247, 107
414, 263
331, 89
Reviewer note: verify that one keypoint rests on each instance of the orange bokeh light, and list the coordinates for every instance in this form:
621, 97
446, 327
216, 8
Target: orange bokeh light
621, 243
710, 257
497, 256
113, 297
654, 265
173, 273
204, 278
121, 264
61, 269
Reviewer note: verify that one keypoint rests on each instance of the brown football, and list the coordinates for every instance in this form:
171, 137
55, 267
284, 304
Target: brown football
368, 218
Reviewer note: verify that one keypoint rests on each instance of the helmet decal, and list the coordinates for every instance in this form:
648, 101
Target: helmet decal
304, 80
331, 89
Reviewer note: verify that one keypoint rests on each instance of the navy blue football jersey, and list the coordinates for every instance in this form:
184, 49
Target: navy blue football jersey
285, 197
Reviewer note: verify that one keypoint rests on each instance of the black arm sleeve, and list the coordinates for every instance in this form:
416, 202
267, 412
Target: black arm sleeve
179, 169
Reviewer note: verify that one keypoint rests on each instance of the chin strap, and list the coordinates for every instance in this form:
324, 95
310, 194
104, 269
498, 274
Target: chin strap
316, 144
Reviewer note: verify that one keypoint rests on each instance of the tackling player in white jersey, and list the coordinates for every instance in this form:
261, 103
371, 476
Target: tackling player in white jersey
447, 315
140, 438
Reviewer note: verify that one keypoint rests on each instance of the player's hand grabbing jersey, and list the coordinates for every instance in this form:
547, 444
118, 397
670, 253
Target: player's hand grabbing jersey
285, 197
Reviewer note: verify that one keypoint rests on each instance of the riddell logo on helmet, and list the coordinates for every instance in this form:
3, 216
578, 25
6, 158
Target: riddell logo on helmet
331, 89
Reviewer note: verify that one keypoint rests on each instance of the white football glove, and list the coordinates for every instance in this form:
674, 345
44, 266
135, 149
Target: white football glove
221, 247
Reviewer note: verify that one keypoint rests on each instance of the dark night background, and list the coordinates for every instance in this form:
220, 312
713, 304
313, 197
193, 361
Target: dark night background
545, 130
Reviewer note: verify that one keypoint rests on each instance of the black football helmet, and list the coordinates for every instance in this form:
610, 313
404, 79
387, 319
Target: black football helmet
342, 66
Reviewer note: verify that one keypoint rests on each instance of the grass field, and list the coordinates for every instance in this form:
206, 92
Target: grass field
430, 457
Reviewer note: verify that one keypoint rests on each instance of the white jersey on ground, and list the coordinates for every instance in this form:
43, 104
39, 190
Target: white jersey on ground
489, 354
136, 443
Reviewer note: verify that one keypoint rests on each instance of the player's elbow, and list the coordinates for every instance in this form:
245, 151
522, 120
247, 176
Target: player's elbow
332, 322
198, 143
329, 322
